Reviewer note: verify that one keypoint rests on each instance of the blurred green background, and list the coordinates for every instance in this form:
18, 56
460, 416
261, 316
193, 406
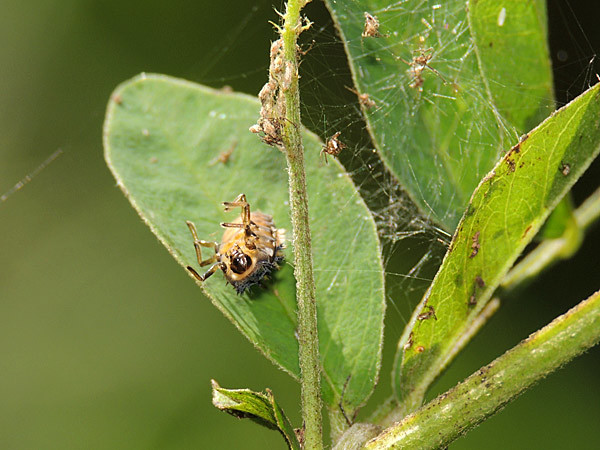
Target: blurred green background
105, 342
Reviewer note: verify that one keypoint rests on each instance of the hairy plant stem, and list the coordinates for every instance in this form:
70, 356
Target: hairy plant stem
489, 389
305, 285
553, 250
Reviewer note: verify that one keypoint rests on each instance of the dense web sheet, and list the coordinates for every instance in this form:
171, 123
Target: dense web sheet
425, 65
442, 118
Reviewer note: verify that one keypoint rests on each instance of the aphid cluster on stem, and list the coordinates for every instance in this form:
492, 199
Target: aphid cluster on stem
272, 110
250, 249
282, 74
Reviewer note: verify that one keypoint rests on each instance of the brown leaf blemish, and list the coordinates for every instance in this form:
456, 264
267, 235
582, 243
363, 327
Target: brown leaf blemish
510, 155
475, 245
470, 210
515, 149
477, 285
511, 165
479, 281
473, 298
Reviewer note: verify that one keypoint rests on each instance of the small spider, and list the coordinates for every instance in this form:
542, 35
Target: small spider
427, 314
565, 169
250, 248
371, 26
418, 64
224, 156
409, 342
333, 146
363, 99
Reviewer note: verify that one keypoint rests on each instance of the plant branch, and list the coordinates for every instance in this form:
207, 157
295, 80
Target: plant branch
552, 250
305, 285
490, 388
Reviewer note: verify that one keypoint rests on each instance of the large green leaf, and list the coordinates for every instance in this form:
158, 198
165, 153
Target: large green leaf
162, 139
488, 80
504, 214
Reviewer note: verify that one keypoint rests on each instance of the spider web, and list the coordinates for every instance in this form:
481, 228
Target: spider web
413, 244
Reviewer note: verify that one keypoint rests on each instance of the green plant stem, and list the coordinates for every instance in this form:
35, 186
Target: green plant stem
305, 284
552, 250
490, 388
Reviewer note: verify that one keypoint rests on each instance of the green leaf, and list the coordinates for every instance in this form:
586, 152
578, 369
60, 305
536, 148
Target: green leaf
551, 251
510, 39
259, 407
522, 82
162, 139
441, 127
505, 212
561, 222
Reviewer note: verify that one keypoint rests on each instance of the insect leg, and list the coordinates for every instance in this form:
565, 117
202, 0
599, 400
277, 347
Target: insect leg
232, 225
208, 273
198, 244
240, 201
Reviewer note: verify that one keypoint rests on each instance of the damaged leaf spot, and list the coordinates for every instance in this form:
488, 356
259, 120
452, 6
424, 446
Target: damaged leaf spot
477, 285
509, 158
479, 281
475, 245
511, 165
